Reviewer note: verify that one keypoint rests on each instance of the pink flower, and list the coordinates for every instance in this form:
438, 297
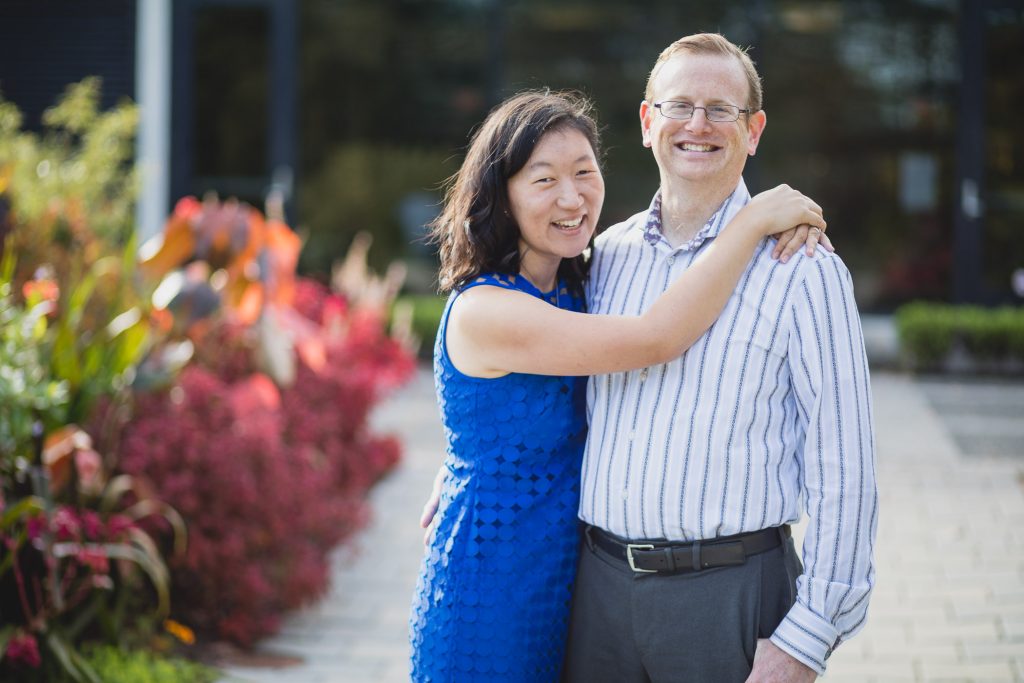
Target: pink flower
35, 526
92, 525
118, 525
66, 524
94, 559
89, 466
23, 650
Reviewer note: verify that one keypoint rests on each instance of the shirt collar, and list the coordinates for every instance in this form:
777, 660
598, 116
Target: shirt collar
725, 213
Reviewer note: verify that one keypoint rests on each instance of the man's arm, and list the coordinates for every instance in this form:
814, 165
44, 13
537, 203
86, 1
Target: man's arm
832, 390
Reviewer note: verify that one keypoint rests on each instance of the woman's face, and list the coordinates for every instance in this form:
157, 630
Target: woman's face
556, 197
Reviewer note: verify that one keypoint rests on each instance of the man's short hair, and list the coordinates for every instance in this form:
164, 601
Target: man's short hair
710, 44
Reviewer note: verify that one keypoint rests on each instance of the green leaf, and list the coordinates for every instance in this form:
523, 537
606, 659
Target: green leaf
92, 361
115, 489
65, 356
129, 337
14, 512
147, 507
5, 636
143, 552
7, 265
78, 298
90, 674
63, 652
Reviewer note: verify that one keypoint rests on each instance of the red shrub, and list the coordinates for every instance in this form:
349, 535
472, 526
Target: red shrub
267, 482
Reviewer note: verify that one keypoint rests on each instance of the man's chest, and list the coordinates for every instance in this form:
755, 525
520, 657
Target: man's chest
628, 278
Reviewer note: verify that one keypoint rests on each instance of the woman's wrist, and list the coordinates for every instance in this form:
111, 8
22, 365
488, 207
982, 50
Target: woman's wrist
747, 223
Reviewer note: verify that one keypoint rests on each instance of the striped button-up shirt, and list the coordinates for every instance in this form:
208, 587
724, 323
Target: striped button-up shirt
767, 414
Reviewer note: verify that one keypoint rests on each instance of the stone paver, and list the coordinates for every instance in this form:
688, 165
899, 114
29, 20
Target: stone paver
949, 602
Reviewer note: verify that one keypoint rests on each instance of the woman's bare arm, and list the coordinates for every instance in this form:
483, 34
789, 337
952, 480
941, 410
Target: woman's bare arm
494, 331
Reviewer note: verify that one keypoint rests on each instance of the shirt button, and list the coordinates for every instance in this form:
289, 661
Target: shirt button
625, 494
631, 436
643, 374
671, 259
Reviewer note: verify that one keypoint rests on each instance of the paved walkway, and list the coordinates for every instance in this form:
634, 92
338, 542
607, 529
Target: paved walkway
949, 603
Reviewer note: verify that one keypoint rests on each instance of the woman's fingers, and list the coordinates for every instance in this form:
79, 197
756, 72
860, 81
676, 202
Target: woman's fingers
430, 507
814, 235
797, 240
781, 240
827, 243
808, 236
429, 510
427, 518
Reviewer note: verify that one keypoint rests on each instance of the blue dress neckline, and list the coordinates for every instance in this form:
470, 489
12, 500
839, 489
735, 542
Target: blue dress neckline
553, 296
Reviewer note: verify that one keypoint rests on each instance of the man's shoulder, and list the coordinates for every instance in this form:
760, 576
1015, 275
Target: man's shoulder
822, 265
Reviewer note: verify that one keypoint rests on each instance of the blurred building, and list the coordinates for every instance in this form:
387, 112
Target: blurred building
897, 116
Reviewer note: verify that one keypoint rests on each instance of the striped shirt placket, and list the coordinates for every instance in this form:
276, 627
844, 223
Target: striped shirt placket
636, 409
662, 374
623, 377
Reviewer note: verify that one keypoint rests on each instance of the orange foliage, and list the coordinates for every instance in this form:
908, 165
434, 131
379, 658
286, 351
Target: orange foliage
258, 256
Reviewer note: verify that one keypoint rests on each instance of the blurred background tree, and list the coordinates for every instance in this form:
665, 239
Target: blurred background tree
897, 116
861, 97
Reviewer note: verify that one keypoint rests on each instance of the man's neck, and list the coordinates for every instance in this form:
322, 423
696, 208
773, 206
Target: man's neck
686, 208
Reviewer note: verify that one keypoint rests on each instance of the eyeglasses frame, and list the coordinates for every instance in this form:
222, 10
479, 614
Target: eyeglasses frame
739, 111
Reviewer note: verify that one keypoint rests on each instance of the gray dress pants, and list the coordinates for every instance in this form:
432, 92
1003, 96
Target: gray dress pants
692, 627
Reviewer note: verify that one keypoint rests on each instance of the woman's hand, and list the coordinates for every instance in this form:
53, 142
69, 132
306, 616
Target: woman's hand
791, 240
430, 507
791, 217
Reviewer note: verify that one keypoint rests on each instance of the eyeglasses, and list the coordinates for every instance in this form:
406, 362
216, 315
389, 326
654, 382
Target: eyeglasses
719, 113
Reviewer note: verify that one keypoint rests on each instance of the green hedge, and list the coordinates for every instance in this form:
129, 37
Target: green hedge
930, 332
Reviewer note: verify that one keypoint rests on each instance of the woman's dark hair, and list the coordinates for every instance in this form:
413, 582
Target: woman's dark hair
476, 231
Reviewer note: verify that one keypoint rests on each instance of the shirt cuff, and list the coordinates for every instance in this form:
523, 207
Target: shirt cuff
806, 637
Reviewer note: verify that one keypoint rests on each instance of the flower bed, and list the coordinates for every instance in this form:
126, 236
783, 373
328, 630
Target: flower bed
268, 480
202, 392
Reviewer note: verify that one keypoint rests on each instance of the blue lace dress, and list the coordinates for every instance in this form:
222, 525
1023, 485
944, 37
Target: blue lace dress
493, 595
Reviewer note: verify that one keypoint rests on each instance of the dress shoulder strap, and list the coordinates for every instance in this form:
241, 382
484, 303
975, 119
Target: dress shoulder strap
493, 279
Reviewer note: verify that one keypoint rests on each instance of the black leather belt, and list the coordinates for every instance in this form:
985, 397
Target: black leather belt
668, 558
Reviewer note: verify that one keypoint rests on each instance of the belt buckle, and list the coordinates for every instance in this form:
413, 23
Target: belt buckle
630, 547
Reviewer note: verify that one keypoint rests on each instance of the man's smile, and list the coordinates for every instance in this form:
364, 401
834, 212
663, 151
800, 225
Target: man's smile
697, 147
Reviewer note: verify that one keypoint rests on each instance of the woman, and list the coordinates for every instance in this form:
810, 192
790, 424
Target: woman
513, 346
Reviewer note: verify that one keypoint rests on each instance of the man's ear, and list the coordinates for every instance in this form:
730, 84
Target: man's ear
646, 118
755, 127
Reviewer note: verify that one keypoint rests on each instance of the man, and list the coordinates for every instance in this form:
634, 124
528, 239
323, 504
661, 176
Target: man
694, 469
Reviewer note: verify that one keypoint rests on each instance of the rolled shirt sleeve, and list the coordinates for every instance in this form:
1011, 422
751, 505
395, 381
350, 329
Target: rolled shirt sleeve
837, 464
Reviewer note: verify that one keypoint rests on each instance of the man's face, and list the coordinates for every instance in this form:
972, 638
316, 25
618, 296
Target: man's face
697, 149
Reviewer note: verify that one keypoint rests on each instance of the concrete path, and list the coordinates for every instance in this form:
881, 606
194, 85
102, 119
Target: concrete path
949, 602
